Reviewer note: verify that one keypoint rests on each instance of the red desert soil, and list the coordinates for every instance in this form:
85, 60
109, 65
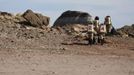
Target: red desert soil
70, 60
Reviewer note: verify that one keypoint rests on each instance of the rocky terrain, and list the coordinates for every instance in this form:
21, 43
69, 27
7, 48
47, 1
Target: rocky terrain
127, 30
28, 46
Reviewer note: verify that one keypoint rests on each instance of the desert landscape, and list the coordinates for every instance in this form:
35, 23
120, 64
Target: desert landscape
29, 46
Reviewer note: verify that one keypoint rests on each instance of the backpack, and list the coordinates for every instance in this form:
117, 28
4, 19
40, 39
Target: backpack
102, 29
91, 28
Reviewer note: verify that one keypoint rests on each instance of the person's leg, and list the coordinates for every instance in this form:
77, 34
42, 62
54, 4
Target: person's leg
96, 39
91, 39
102, 39
109, 29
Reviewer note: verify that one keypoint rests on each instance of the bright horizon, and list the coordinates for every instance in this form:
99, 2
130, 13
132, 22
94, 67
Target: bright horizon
120, 11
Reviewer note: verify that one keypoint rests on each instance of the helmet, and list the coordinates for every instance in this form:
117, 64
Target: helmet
96, 18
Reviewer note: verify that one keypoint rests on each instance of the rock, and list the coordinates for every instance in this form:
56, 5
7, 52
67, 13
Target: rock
36, 19
18, 17
73, 17
6, 16
73, 22
131, 34
5, 13
127, 30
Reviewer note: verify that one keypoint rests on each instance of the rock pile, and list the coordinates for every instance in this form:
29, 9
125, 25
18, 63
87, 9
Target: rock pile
29, 18
126, 31
5, 16
23, 31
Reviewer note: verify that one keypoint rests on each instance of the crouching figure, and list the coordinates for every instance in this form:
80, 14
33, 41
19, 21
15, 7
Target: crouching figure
102, 32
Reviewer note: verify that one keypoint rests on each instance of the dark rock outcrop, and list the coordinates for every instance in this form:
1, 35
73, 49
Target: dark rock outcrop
73, 22
36, 19
5, 13
73, 17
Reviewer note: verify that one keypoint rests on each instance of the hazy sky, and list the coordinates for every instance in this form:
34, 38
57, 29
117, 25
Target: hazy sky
121, 11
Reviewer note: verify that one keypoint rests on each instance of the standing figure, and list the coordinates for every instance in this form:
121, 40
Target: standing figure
96, 29
96, 24
102, 32
90, 33
108, 24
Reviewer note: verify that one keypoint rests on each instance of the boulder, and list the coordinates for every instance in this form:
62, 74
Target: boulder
36, 19
73, 22
73, 17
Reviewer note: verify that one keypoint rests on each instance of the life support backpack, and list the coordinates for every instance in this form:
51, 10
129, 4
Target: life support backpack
102, 29
108, 21
91, 28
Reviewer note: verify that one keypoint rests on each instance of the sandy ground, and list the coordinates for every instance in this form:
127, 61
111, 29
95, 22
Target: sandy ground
72, 61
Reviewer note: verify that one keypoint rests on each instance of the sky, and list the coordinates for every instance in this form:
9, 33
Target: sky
121, 11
